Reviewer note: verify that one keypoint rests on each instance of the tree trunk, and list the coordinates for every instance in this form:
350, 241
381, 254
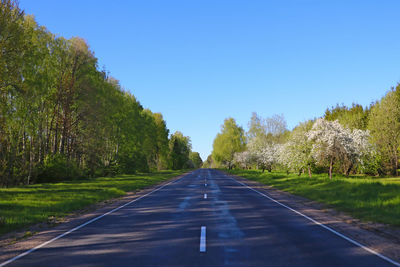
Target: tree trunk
330, 168
349, 170
10, 166
309, 171
30, 162
55, 148
23, 149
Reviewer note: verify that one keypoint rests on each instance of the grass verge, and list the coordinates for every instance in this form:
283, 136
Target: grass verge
26, 205
366, 198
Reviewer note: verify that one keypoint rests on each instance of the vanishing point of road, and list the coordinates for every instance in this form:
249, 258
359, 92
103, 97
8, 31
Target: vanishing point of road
205, 218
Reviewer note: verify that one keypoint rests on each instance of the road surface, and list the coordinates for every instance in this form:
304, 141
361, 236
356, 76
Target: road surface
205, 218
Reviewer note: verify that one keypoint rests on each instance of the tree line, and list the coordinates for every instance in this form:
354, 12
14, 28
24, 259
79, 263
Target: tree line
346, 140
62, 117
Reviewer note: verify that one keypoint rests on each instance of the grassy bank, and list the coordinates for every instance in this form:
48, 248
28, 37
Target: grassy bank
366, 198
27, 205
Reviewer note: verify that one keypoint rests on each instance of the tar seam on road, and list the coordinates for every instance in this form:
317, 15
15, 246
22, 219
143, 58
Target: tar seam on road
203, 239
322, 225
205, 196
82, 225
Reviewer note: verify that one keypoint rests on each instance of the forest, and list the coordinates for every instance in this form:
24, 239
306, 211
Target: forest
346, 140
62, 117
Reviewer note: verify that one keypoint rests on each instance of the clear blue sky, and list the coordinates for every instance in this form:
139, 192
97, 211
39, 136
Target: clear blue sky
198, 62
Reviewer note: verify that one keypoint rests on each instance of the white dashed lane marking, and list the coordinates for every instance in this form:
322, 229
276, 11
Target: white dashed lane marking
203, 239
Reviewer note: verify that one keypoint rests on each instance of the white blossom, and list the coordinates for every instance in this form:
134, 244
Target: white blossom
243, 159
266, 156
333, 142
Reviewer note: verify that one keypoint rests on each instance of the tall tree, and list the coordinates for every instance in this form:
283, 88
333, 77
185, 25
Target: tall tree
354, 117
295, 154
209, 163
228, 142
195, 159
384, 124
333, 143
61, 117
179, 149
264, 137
11, 59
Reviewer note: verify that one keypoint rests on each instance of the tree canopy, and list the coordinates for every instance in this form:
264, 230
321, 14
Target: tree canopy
62, 117
230, 140
384, 124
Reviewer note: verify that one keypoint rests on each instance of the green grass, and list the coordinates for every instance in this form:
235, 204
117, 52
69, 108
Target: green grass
26, 205
366, 198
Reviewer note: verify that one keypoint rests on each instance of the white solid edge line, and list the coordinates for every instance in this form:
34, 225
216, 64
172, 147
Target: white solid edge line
323, 226
205, 196
82, 225
203, 239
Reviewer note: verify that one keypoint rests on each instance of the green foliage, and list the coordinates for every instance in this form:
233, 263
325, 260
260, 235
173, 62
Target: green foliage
296, 154
196, 159
384, 125
155, 140
374, 149
367, 198
56, 104
371, 165
264, 131
228, 142
179, 150
57, 168
209, 163
354, 117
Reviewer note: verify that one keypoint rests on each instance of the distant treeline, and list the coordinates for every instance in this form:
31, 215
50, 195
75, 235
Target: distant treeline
62, 118
346, 140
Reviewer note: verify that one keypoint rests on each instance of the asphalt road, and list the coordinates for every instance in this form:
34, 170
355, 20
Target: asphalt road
178, 225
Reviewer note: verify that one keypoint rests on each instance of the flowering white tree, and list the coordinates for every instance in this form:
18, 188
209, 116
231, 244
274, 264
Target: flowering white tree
296, 153
333, 142
267, 156
263, 136
243, 159
366, 152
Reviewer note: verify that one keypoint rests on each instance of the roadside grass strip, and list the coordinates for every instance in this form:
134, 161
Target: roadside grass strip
23, 206
80, 226
365, 198
323, 226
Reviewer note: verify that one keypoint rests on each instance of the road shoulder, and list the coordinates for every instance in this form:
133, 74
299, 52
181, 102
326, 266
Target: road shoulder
14, 244
381, 238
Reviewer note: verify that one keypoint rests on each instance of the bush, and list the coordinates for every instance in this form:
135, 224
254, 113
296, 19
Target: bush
58, 168
130, 163
318, 169
112, 169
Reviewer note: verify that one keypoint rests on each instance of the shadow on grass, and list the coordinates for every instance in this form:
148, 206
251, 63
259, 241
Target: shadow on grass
26, 205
